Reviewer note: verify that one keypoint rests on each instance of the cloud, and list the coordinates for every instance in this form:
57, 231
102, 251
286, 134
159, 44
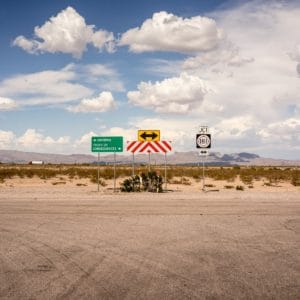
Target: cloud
103, 76
168, 32
249, 75
96, 70
46, 87
7, 139
226, 56
86, 138
32, 139
295, 55
73, 82
68, 33
286, 132
234, 128
104, 102
172, 95
7, 104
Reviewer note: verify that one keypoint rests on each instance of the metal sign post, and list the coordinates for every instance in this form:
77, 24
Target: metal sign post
98, 171
165, 170
203, 154
203, 141
132, 164
203, 176
149, 161
114, 171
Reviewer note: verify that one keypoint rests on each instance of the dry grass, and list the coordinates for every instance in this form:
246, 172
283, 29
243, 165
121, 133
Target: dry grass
247, 175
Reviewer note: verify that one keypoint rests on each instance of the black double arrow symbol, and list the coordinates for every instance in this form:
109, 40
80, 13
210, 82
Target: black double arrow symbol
146, 135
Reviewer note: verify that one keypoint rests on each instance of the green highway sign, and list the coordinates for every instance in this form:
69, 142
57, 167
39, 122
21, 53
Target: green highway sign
107, 144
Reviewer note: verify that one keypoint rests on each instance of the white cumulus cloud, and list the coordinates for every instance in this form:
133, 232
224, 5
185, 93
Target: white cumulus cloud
102, 103
73, 82
172, 95
46, 87
284, 131
235, 127
66, 32
7, 104
227, 55
7, 139
168, 32
33, 140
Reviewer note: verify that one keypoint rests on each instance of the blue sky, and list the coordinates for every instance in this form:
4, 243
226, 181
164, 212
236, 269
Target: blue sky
74, 69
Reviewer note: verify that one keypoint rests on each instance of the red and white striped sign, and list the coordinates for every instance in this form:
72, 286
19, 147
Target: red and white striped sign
152, 147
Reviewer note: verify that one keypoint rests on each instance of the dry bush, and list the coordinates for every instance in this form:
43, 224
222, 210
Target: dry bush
239, 188
58, 182
228, 187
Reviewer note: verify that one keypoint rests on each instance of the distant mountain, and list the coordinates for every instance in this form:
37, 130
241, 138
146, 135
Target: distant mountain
180, 158
12, 156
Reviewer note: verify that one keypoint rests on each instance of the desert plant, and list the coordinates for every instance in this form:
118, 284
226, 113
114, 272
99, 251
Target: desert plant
209, 185
239, 188
295, 180
228, 187
150, 182
132, 184
58, 182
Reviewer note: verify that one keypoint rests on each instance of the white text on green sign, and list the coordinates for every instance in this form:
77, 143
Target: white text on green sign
107, 144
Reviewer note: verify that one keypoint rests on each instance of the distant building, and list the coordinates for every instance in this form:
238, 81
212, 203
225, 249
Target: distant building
36, 162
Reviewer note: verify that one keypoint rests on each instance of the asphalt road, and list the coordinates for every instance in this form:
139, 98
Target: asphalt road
77, 244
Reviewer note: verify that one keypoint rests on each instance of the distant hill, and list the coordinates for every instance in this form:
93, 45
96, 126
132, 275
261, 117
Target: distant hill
182, 158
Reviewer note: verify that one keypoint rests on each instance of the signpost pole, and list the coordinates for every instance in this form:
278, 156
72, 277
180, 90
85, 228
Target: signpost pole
203, 178
133, 164
165, 170
114, 171
149, 161
98, 170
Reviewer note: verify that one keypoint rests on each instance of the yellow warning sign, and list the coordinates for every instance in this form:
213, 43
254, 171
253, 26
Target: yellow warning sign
148, 135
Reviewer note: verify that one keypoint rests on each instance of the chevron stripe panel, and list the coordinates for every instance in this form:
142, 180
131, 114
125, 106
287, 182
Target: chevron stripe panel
149, 147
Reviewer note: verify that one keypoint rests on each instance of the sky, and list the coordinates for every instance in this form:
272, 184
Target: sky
70, 70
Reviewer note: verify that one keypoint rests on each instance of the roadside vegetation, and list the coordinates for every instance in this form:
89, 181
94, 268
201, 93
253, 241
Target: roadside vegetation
271, 176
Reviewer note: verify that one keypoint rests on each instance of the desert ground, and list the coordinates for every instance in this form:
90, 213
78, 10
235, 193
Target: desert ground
67, 241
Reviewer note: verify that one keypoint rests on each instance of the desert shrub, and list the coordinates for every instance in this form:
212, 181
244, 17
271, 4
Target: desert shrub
185, 181
132, 184
295, 180
150, 182
58, 182
209, 185
228, 187
239, 188
246, 179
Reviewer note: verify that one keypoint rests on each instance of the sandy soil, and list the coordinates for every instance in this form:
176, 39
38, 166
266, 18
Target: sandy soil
66, 241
